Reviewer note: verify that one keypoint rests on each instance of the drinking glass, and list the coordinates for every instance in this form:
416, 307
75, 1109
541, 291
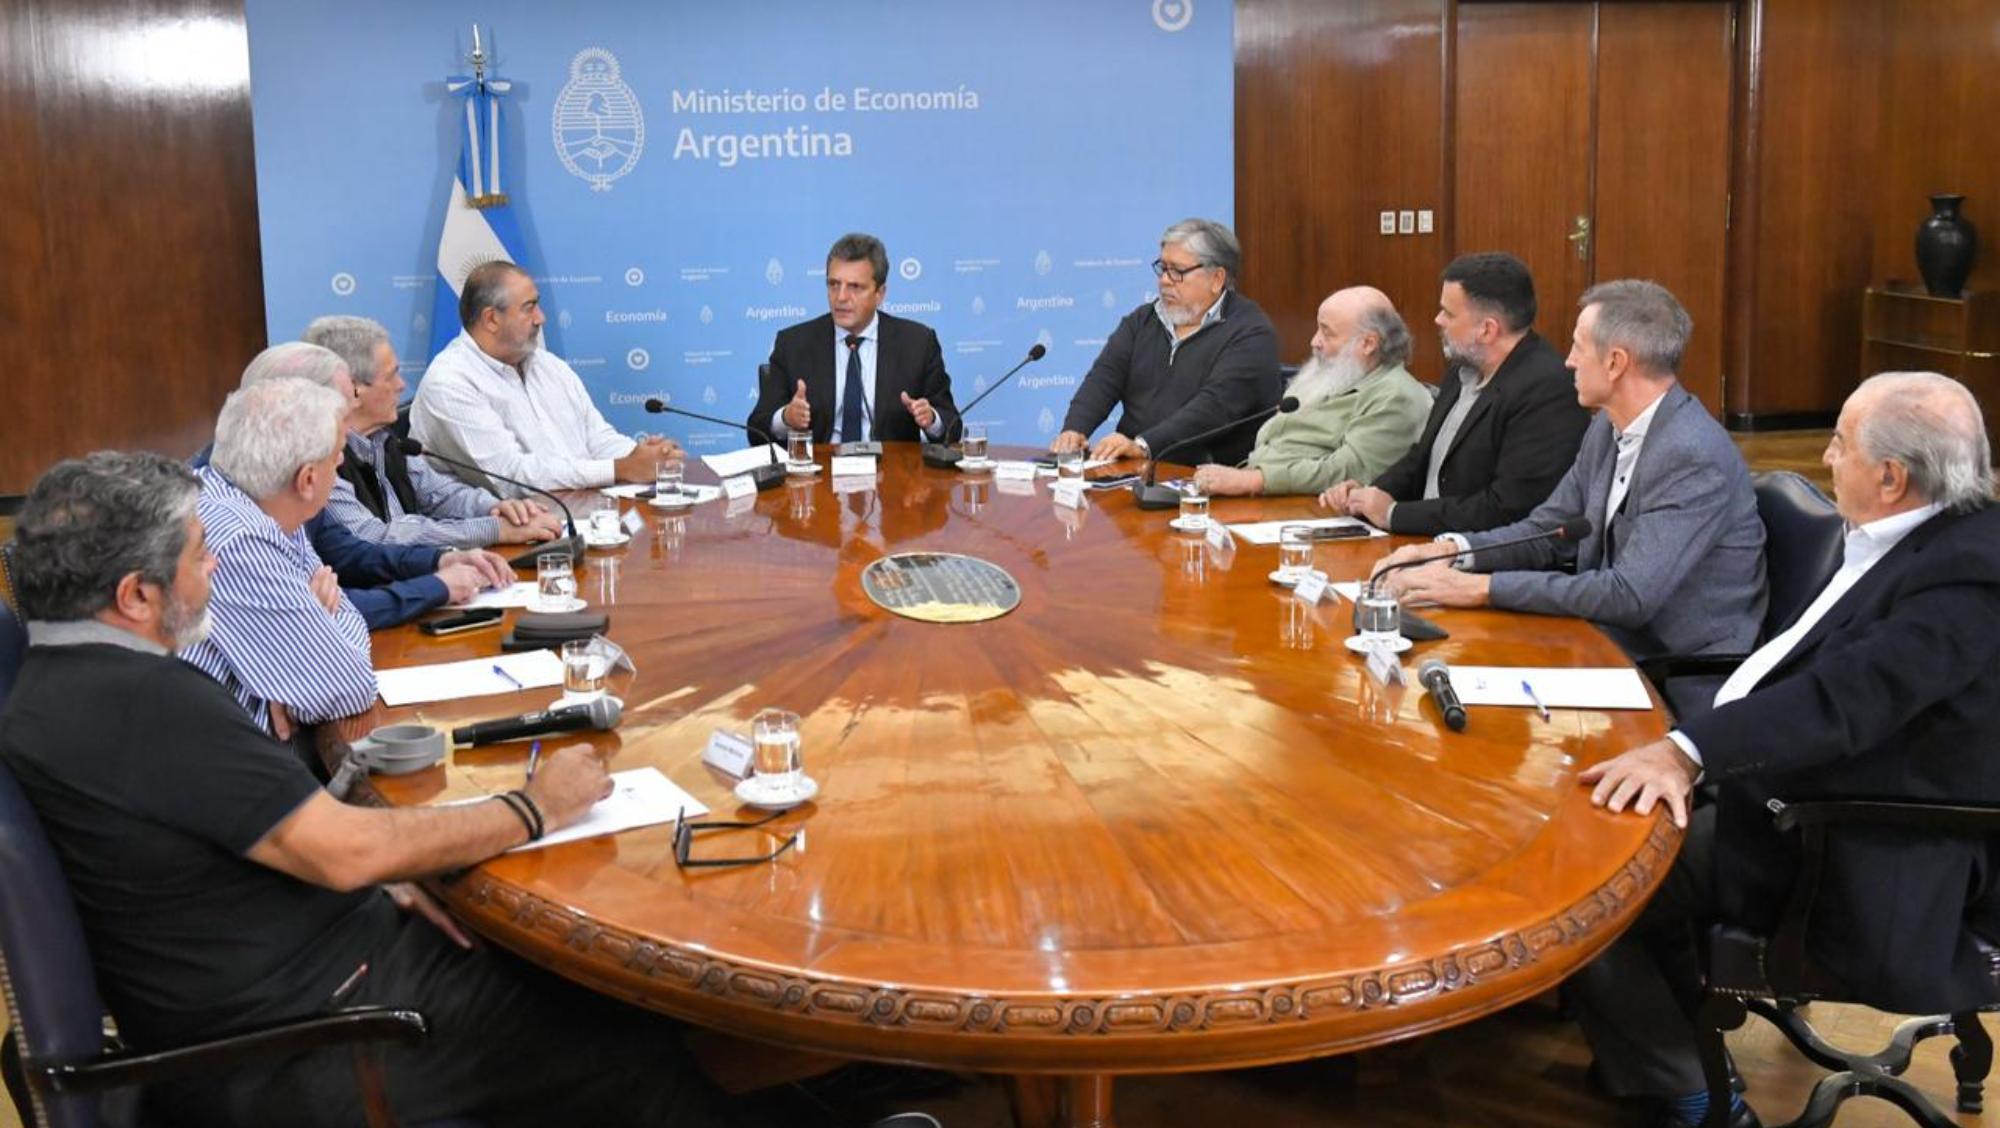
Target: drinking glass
1378, 618
799, 448
1194, 511
1295, 552
555, 582
667, 481
974, 443
584, 672
774, 735
1069, 465
603, 522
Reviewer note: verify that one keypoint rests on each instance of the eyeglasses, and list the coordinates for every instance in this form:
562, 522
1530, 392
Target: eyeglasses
1173, 273
684, 841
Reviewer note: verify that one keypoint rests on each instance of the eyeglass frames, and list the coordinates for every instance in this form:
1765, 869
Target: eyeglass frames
1173, 273
684, 841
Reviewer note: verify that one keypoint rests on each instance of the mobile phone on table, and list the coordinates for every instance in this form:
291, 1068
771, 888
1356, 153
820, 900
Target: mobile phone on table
472, 620
1338, 532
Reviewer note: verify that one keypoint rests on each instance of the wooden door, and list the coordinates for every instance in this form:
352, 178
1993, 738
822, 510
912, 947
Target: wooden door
1593, 140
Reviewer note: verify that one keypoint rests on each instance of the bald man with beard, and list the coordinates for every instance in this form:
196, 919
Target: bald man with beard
1359, 407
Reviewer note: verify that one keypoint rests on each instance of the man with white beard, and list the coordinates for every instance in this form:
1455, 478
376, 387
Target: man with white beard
1359, 407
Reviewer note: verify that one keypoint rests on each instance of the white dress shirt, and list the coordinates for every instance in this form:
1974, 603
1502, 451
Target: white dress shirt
1865, 547
537, 424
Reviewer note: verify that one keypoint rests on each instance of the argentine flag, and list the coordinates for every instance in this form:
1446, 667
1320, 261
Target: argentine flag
479, 221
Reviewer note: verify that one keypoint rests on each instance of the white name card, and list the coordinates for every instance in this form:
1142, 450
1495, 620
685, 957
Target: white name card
727, 752
1384, 666
1069, 493
739, 486
853, 466
1014, 470
632, 522
1312, 587
1219, 536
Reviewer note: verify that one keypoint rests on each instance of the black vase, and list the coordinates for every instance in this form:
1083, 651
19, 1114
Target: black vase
1945, 246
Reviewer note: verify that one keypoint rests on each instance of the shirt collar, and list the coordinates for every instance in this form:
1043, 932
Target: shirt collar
86, 632
1877, 537
871, 332
494, 364
1636, 430
1213, 315
215, 484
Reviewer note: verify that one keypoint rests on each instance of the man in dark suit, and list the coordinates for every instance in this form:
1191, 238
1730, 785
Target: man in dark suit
1505, 425
1673, 563
856, 373
1882, 689
1196, 357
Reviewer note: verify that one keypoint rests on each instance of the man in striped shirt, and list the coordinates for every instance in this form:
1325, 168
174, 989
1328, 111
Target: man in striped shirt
286, 641
386, 497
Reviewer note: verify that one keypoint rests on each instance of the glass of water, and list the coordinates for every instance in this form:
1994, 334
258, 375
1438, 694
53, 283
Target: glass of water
799, 449
555, 582
974, 443
1378, 618
668, 478
1069, 465
774, 736
1295, 552
1194, 510
584, 672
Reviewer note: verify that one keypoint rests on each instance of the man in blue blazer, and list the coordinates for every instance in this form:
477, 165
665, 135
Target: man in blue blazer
1882, 689
855, 373
1673, 564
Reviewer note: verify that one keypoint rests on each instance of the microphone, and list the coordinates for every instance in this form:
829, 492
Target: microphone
600, 713
1574, 529
1436, 679
1150, 496
766, 476
942, 455
570, 545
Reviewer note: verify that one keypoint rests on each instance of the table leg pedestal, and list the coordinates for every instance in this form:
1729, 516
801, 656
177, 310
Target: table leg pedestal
1062, 1102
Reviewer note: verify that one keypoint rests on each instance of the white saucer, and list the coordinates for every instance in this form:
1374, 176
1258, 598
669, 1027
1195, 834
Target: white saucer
1283, 580
1355, 644
802, 469
1201, 528
576, 603
621, 538
975, 465
757, 793
682, 500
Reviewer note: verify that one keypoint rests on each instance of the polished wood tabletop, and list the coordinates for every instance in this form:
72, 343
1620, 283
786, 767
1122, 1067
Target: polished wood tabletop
1158, 818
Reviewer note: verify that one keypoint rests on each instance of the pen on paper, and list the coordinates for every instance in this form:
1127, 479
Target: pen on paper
534, 759
511, 679
1532, 696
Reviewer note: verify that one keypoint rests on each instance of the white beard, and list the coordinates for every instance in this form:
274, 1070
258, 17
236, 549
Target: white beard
183, 630
1323, 378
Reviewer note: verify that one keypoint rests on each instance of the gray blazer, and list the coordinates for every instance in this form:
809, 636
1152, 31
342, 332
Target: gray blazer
1680, 568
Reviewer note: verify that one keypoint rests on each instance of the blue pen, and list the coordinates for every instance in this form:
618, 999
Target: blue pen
534, 757
511, 679
1530, 691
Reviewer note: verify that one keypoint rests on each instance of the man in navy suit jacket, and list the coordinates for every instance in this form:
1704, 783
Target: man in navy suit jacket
855, 373
1882, 689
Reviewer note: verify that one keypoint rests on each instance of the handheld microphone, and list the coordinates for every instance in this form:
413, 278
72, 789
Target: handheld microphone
944, 456
571, 545
1436, 679
767, 476
1574, 529
601, 713
1150, 496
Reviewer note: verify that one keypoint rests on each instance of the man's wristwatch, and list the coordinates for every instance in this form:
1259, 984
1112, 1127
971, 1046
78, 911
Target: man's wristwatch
1144, 448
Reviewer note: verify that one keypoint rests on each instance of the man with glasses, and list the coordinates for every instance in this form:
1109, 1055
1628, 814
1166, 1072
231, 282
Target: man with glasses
855, 374
1195, 358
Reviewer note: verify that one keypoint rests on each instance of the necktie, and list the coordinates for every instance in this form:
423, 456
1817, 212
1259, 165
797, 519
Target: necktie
851, 396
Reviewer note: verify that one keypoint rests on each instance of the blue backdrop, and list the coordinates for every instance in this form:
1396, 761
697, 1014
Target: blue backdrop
679, 170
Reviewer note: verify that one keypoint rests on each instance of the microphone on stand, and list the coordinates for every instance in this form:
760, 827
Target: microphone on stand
1150, 496
1436, 679
942, 455
767, 476
571, 545
599, 713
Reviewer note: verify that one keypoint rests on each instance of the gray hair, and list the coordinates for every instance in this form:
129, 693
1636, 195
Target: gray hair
352, 339
1642, 318
1391, 335
486, 288
90, 522
268, 430
858, 246
1210, 243
295, 360
1931, 424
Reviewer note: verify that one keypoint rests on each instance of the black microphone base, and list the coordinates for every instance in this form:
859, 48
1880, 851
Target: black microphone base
768, 476
942, 457
573, 547
1155, 496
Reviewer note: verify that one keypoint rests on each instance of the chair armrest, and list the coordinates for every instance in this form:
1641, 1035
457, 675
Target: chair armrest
1658, 670
1949, 818
277, 1040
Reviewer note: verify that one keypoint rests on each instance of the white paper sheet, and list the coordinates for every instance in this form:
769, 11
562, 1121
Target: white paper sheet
699, 495
1558, 687
1088, 465
741, 461
639, 797
1266, 532
474, 677
519, 594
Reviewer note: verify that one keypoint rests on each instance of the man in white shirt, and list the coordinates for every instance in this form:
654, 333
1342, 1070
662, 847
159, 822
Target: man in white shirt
1883, 689
496, 399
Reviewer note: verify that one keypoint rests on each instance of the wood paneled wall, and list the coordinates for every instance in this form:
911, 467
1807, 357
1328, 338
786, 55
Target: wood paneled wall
131, 289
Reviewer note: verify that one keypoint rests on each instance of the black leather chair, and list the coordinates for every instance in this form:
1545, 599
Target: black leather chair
13, 648
1803, 541
1773, 976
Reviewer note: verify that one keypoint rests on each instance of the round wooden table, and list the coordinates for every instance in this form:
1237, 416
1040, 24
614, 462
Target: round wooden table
1158, 818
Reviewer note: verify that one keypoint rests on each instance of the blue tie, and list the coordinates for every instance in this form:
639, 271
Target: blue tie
851, 397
